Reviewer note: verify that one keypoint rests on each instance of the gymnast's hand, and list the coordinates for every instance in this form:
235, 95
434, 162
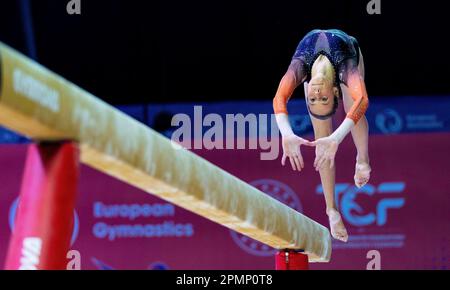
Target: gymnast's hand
291, 150
326, 149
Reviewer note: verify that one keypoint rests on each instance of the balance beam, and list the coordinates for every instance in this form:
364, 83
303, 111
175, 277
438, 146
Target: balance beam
45, 107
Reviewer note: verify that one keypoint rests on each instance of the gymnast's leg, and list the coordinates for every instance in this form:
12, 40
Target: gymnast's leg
324, 128
360, 135
361, 140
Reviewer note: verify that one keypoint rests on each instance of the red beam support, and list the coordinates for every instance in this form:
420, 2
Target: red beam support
43, 226
291, 260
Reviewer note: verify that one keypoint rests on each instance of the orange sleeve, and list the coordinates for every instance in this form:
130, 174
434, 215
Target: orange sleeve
357, 89
290, 81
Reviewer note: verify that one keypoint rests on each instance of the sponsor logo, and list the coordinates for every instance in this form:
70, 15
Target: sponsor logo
131, 228
389, 121
368, 208
355, 214
420, 122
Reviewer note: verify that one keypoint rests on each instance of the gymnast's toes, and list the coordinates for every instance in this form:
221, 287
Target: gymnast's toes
362, 174
338, 230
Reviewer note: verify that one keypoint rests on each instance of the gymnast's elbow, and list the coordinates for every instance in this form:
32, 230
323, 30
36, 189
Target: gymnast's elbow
280, 105
360, 111
365, 104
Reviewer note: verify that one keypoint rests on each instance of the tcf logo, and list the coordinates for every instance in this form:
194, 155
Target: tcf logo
354, 213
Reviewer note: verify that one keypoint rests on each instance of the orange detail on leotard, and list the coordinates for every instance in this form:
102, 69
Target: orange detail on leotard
290, 81
358, 93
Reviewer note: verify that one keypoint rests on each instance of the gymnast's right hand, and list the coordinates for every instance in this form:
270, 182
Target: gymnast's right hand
291, 150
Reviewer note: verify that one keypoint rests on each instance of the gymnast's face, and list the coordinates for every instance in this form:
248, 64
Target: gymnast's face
320, 96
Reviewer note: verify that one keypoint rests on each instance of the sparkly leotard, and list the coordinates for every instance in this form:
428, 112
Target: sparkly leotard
343, 52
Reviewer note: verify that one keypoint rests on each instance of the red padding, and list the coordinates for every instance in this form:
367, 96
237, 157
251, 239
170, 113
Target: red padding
291, 260
44, 220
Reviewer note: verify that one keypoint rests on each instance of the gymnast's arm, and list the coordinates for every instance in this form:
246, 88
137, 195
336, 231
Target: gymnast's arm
357, 91
294, 76
291, 143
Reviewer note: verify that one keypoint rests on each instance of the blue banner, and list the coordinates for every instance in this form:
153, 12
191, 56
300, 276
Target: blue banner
387, 115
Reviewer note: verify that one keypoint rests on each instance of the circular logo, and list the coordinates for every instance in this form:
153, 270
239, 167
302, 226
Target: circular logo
13, 213
280, 192
389, 121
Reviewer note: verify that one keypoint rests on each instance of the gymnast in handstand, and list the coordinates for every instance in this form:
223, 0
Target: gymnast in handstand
330, 65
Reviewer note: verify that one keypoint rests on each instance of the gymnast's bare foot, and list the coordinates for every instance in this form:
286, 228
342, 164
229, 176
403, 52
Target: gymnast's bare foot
337, 227
362, 173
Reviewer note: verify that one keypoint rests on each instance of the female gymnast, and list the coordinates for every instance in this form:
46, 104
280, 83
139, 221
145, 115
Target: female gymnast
331, 66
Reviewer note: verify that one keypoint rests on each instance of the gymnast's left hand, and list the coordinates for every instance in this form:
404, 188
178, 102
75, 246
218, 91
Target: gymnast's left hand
326, 149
